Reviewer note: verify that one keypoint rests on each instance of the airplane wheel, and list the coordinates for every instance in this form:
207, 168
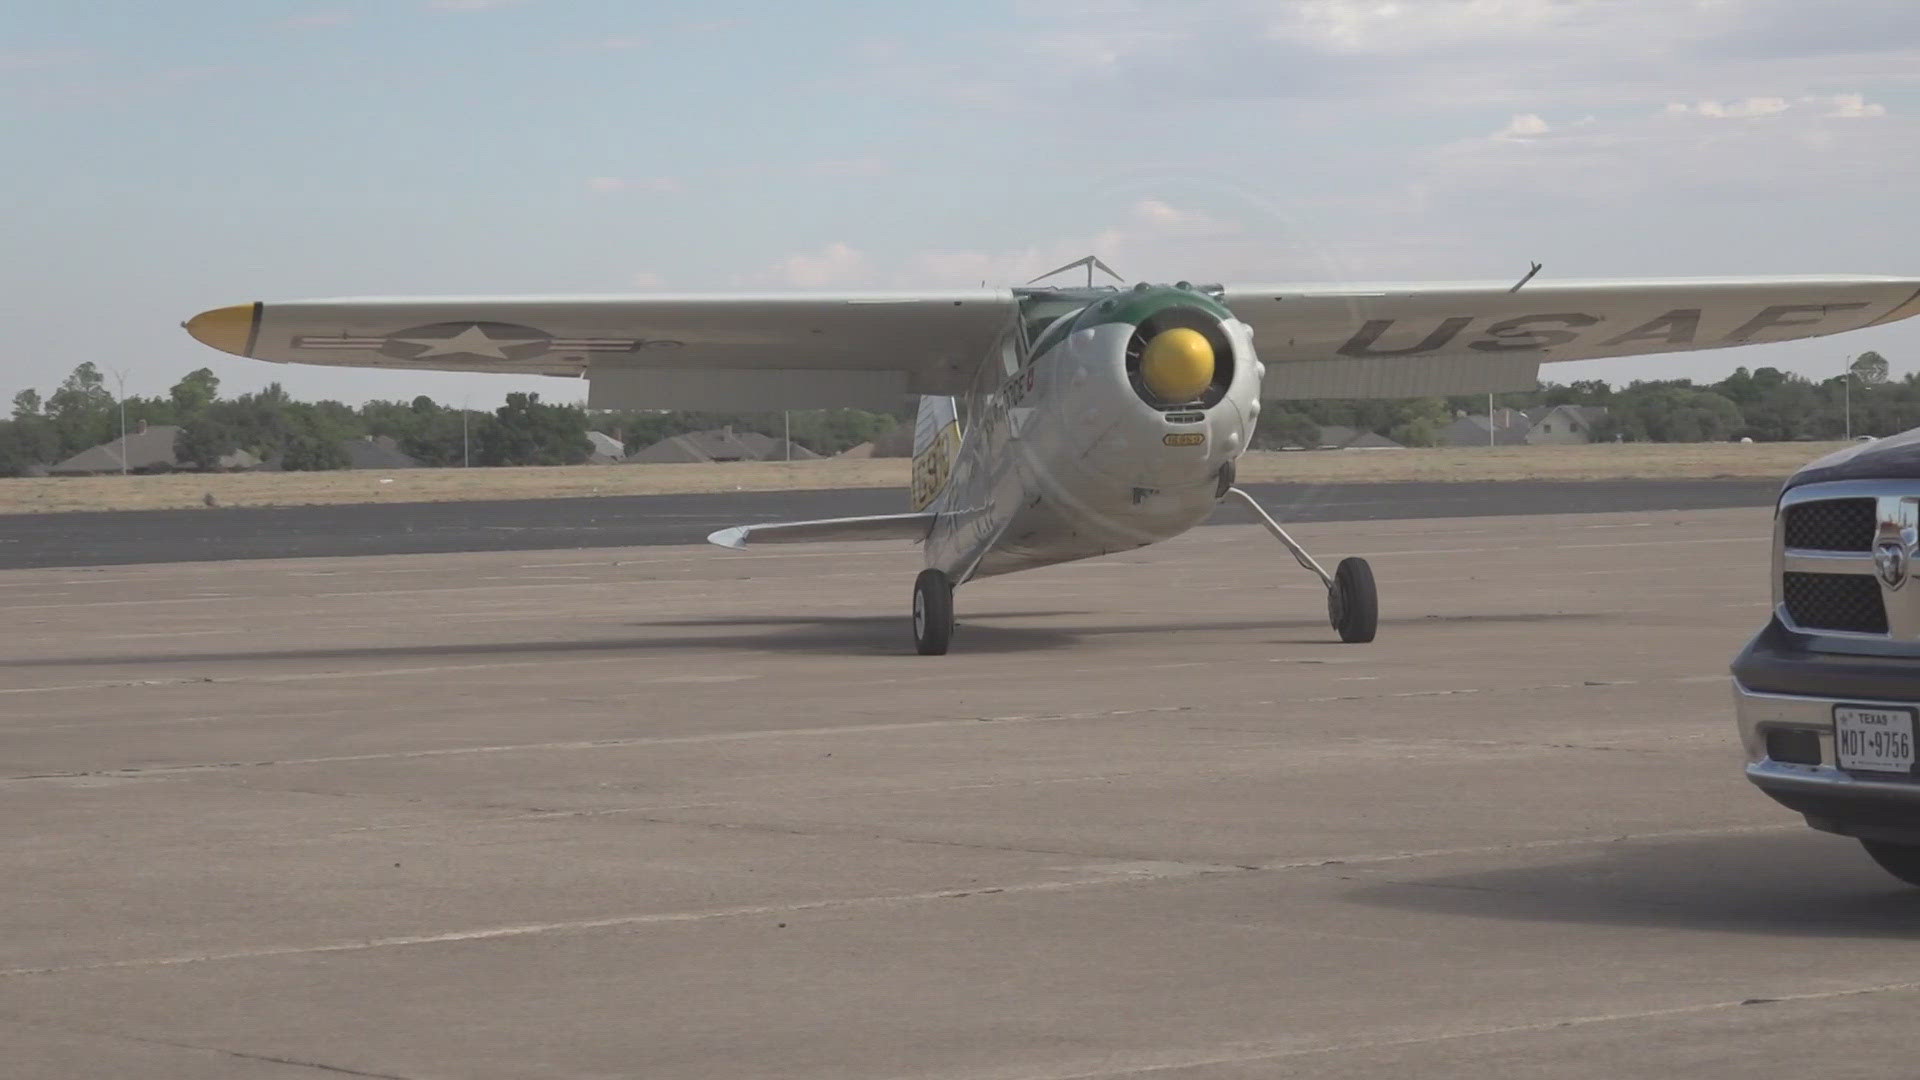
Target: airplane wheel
1353, 607
932, 613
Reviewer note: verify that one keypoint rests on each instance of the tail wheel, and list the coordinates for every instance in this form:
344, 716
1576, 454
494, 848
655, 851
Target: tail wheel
932, 613
1353, 606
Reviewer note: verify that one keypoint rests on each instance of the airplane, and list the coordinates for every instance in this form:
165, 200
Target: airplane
1058, 422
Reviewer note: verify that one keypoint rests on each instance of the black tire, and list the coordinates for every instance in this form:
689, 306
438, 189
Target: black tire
1900, 860
1353, 606
932, 613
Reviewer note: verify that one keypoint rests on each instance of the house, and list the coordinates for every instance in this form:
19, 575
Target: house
768, 448
1508, 427
897, 442
376, 452
1342, 437
145, 450
672, 450
607, 450
1555, 425
1564, 425
720, 444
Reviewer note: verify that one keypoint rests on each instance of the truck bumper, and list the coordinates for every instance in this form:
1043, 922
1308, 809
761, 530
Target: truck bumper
1784, 696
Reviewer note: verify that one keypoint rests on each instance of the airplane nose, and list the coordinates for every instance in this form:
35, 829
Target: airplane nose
1177, 365
229, 329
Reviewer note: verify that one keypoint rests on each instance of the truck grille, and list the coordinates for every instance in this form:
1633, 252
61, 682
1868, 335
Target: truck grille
1832, 525
1846, 602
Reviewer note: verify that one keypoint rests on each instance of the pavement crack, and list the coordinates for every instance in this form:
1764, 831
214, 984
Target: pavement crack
1274, 1051
1104, 874
175, 1044
321, 1066
863, 834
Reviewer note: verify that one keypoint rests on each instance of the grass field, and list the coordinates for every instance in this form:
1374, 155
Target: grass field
1601, 462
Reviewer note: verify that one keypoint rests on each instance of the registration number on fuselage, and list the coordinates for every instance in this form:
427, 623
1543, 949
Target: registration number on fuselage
1873, 739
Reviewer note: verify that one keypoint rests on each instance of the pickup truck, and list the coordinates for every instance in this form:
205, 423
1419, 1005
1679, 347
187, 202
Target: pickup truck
1827, 693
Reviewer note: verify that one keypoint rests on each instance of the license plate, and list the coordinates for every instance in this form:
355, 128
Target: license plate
1873, 739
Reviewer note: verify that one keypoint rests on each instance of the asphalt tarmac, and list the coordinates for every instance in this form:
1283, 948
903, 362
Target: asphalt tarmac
105, 539
673, 812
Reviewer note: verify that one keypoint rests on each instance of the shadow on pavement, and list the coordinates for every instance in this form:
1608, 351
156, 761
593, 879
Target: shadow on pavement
837, 635
1802, 884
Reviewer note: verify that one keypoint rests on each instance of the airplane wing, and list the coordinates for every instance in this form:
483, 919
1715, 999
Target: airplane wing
741, 352
883, 527
1410, 340
808, 350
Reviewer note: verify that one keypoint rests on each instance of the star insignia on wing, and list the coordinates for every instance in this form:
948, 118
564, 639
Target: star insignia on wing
473, 341
467, 341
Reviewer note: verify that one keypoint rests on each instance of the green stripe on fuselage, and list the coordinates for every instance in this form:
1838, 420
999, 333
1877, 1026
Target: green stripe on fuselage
1135, 306
1100, 307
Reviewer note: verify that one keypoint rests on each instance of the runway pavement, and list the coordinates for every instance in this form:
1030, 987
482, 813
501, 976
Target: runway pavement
103, 539
669, 812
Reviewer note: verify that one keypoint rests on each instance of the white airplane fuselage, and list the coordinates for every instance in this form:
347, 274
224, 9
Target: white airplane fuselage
1065, 454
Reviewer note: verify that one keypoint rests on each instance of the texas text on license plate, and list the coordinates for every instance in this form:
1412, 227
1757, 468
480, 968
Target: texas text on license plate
1873, 739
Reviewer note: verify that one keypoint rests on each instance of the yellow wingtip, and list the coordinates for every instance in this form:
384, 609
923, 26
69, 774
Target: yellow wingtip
229, 329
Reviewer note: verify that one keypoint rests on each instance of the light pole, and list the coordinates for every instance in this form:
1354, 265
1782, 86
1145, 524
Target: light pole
120, 380
466, 456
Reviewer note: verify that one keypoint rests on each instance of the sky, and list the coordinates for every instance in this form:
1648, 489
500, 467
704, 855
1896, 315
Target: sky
167, 158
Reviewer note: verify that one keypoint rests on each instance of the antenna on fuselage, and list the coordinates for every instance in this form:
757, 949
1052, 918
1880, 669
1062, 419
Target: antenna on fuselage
1535, 268
1092, 263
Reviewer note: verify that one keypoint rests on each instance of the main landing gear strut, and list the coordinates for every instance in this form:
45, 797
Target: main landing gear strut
1353, 607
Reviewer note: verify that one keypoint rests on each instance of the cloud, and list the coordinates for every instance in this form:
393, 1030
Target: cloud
836, 264
1759, 145
1161, 216
1151, 236
1524, 126
1732, 110
646, 279
1837, 106
1849, 106
1410, 26
1422, 55
948, 268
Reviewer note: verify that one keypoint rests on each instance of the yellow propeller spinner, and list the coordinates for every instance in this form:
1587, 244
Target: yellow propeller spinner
1177, 365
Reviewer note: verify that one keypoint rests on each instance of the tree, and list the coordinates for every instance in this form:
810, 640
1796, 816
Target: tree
1281, 427
194, 393
25, 443
203, 441
313, 453
82, 409
527, 431
26, 404
1419, 431
1674, 411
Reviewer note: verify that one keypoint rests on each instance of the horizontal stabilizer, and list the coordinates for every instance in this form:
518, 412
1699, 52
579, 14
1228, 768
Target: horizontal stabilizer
883, 527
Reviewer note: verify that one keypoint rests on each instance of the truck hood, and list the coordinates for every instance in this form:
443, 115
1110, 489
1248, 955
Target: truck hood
1894, 458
